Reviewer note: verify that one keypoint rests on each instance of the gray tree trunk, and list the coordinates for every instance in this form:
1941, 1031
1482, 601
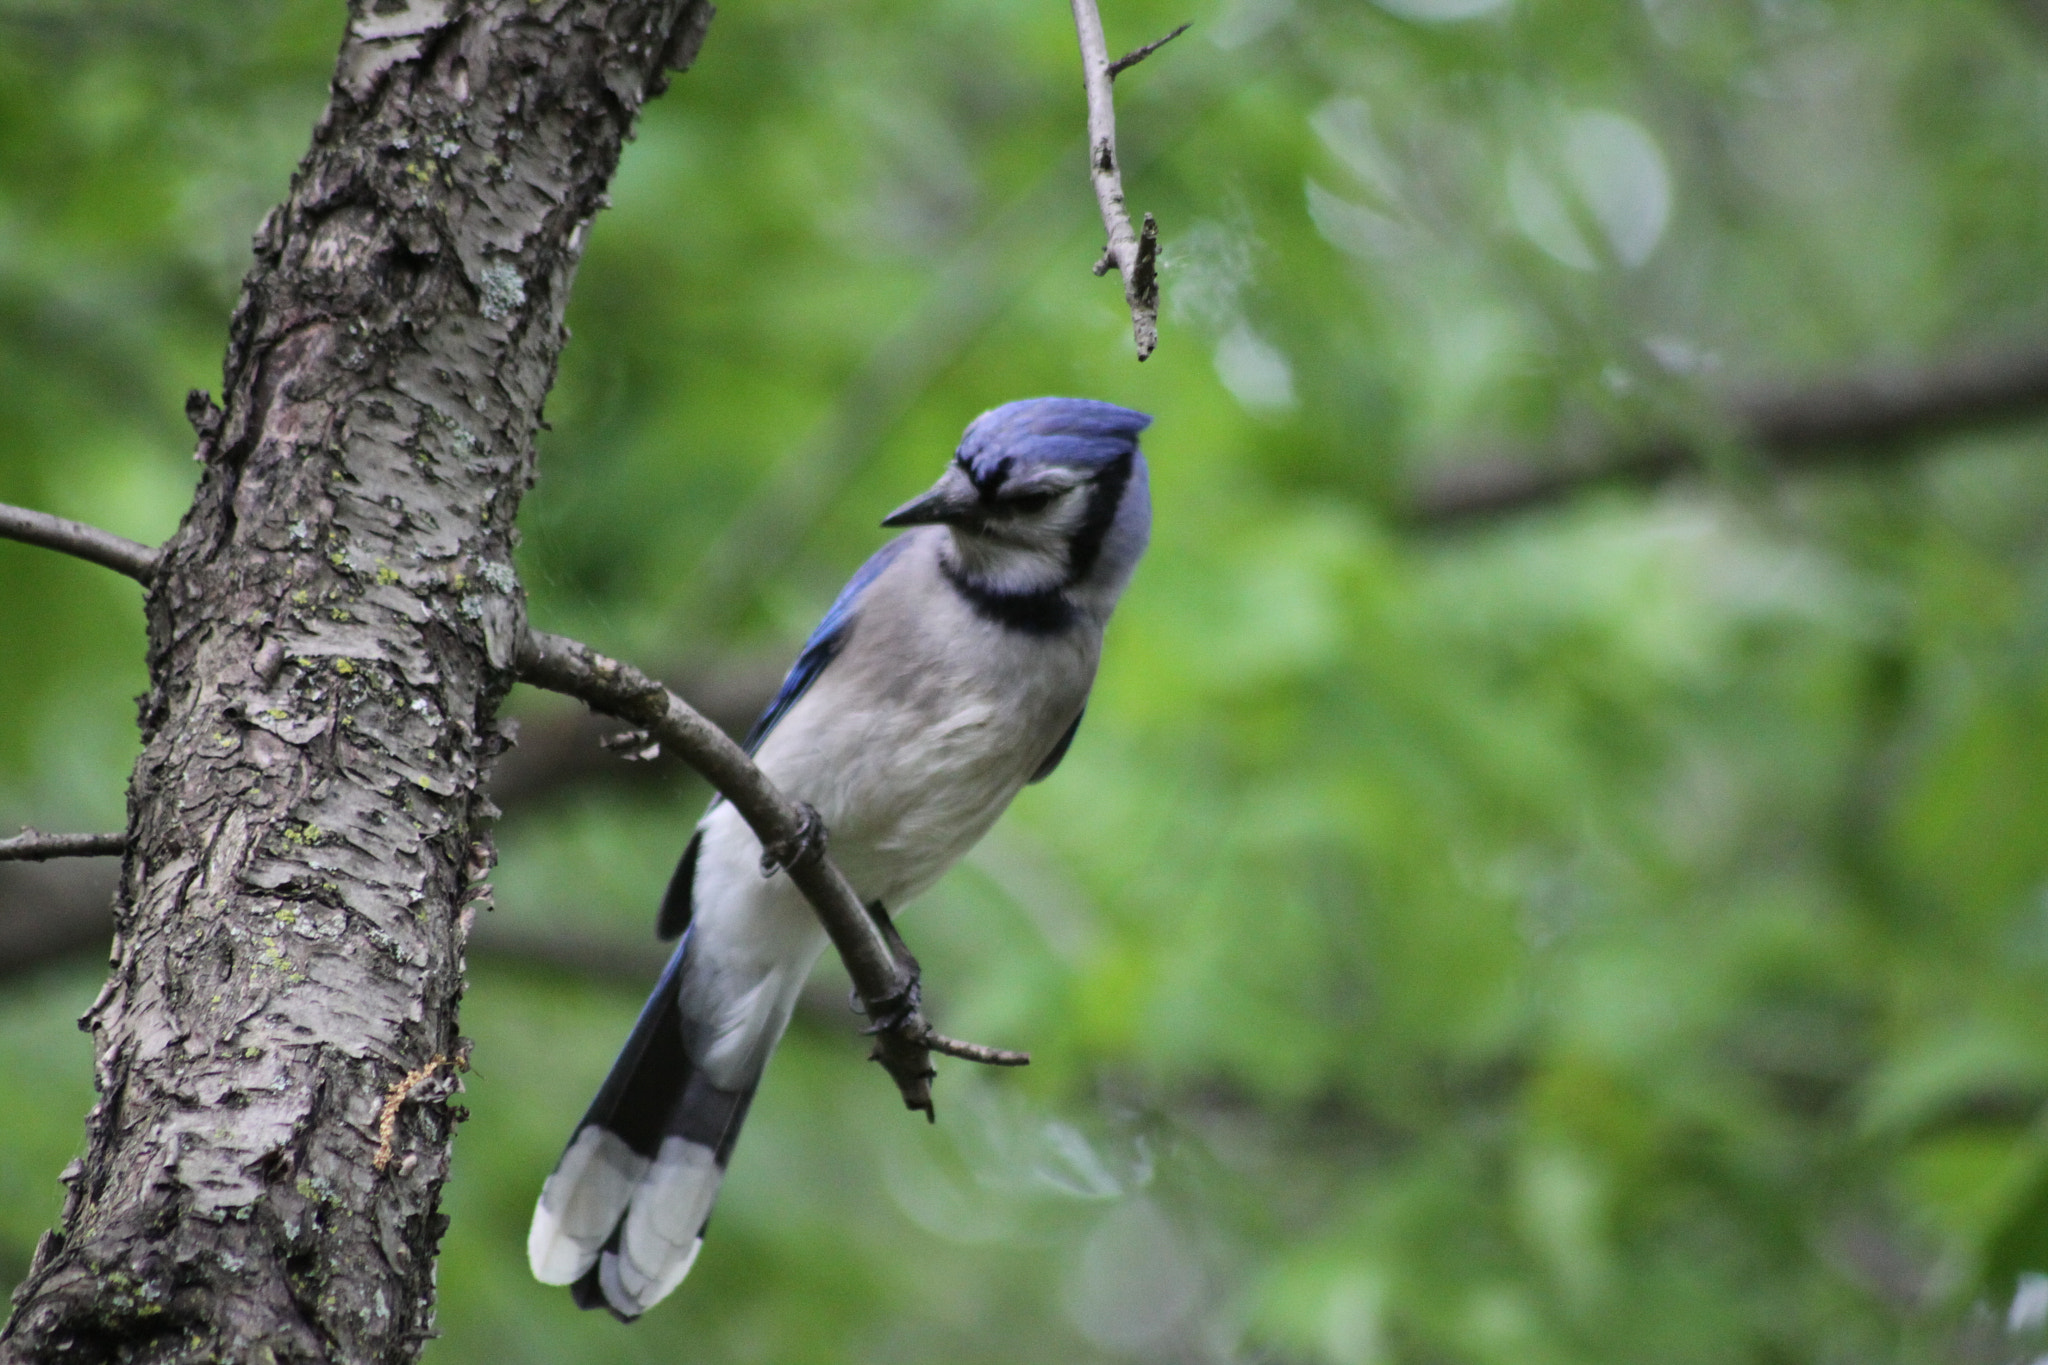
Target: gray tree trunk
330, 633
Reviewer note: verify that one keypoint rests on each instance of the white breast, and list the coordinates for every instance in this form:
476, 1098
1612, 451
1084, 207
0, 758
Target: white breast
917, 736
910, 744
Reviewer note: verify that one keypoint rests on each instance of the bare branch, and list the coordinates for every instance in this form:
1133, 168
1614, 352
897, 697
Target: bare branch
973, 1052
33, 846
793, 840
1133, 57
1860, 418
76, 538
558, 750
626, 962
1135, 255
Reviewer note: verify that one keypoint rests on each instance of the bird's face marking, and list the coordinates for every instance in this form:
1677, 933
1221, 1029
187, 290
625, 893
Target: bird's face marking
1035, 509
1032, 494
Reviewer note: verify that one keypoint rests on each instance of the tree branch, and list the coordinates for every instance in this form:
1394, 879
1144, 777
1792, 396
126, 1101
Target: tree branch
560, 750
885, 978
1135, 254
33, 846
76, 538
1866, 418
1136, 55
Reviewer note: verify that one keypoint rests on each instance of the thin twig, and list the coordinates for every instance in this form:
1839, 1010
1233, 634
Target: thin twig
76, 538
33, 846
1135, 255
973, 1052
792, 839
1136, 55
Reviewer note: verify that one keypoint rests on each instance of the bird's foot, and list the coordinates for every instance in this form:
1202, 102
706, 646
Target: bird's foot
635, 746
804, 846
889, 1015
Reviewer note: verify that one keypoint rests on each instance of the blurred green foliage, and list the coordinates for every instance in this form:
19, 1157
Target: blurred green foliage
1618, 934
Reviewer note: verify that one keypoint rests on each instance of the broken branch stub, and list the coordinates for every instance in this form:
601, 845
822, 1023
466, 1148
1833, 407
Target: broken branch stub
1135, 254
34, 846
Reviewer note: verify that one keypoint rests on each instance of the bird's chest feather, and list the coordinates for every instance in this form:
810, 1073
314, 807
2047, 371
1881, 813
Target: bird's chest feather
922, 730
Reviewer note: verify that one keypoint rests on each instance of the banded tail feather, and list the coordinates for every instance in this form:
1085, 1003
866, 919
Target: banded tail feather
621, 1219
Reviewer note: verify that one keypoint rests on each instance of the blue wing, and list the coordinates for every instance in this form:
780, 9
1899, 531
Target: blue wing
818, 651
825, 642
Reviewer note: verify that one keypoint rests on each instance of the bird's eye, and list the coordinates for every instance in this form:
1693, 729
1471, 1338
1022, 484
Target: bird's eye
1029, 502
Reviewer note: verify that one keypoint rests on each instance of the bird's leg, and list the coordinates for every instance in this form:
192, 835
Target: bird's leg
904, 1040
803, 846
897, 1011
897, 1024
880, 914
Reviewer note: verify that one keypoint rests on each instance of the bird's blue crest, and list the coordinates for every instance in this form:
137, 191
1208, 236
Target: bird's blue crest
1037, 431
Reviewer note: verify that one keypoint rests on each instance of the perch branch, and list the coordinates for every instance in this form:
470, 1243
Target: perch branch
1134, 253
33, 846
76, 538
1861, 418
794, 841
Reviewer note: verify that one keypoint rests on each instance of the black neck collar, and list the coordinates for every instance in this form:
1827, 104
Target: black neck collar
1041, 611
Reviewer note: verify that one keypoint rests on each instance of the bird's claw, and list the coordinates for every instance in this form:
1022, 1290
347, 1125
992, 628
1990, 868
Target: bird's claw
802, 848
894, 1013
635, 746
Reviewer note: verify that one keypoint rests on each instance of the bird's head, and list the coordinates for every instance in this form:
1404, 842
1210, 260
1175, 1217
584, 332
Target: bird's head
1044, 493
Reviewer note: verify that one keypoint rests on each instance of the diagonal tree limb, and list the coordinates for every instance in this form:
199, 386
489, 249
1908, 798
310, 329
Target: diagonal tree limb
1135, 254
76, 538
1863, 418
559, 750
33, 846
885, 978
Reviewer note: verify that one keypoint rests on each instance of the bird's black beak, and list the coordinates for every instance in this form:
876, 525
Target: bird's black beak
952, 501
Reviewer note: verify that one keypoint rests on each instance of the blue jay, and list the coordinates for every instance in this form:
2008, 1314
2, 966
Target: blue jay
951, 671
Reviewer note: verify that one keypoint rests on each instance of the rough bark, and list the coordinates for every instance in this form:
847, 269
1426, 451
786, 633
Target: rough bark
61, 910
330, 632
